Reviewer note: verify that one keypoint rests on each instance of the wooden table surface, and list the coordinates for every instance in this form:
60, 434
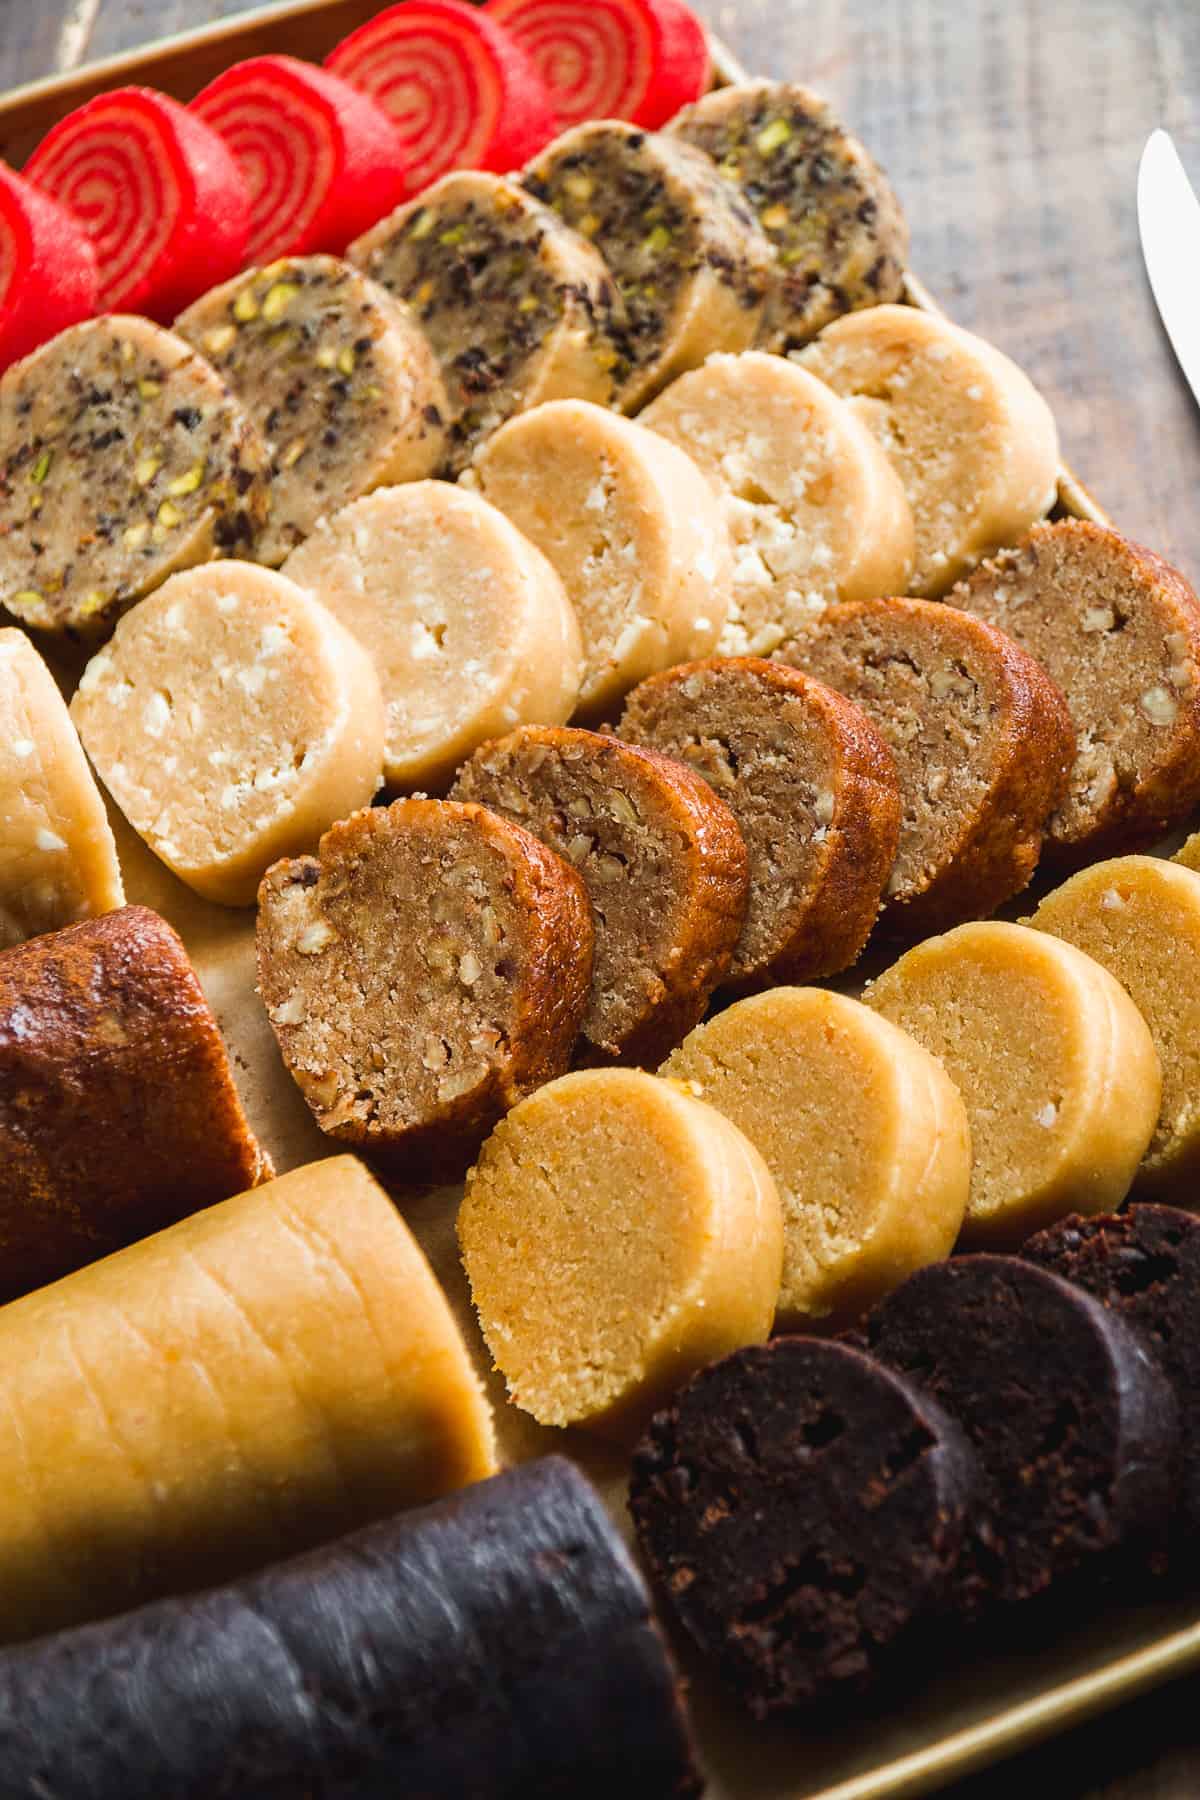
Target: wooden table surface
1012, 130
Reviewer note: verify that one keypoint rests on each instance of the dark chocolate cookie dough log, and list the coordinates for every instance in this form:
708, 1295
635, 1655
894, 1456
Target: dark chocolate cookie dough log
1073, 1422
500, 1645
689, 262
802, 1508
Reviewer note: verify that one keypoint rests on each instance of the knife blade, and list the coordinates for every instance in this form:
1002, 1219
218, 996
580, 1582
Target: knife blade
1169, 226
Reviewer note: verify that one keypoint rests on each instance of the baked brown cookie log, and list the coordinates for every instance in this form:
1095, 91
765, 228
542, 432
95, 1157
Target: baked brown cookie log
839, 236
337, 376
1119, 630
1144, 1264
118, 1112
429, 966
123, 457
1073, 1423
253, 1380
689, 261
801, 1508
662, 859
497, 1644
983, 744
517, 308
813, 788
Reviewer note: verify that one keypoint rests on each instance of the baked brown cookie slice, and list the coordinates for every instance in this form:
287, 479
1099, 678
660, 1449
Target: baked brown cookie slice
1119, 630
982, 740
663, 862
813, 788
839, 235
690, 264
517, 308
425, 970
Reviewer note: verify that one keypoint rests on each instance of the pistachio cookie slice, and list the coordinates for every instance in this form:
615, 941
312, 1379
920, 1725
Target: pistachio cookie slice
691, 265
336, 375
123, 457
517, 308
840, 238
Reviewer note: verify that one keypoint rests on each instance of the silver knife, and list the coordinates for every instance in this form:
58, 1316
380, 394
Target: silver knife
1169, 223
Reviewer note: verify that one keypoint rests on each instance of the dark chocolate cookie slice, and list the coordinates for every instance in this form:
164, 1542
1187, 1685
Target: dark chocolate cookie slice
1072, 1420
802, 1508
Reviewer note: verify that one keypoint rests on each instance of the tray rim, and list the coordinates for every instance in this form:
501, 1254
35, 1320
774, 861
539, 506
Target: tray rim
1058, 1706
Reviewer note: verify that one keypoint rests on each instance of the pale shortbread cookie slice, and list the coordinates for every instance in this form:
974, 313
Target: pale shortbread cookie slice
338, 378
617, 1234
517, 308
232, 719
1053, 1060
629, 522
974, 442
58, 861
1140, 917
465, 621
690, 263
815, 511
862, 1129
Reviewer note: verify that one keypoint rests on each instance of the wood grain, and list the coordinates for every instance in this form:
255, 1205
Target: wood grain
1012, 130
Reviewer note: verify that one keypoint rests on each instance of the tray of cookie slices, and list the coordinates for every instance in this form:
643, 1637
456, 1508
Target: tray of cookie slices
598, 1042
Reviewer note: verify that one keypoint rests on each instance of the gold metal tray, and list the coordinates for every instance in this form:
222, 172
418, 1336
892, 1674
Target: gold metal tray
963, 1718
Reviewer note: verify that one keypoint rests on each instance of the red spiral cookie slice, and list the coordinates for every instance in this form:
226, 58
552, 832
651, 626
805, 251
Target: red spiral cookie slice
47, 269
458, 89
322, 161
611, 59
161, 198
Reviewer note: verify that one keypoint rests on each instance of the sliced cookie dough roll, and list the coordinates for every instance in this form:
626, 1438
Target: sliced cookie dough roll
690, 264
814, 510
813, 788
839, 236
862, 1129
231, 719
1119, 630
629, 523
517, 308
663, 861
58, 861
338, 378
617, 1235
1055, 1065
974, 442
801, 1509
1073, 1423
982, 740
466, 623
1140, 918
254, 1380
123, 457
118, 1110
425, 970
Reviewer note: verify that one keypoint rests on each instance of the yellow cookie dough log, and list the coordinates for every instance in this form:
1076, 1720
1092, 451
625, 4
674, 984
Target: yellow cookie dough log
123, 457
465, 621
815, 511
232, 720
1140, 917
690, 263
1054, 1062
630, 524
258, 1378
338, 378
838, 233
517, 308
58, 861
862, 1129
617, 1234
973, 440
